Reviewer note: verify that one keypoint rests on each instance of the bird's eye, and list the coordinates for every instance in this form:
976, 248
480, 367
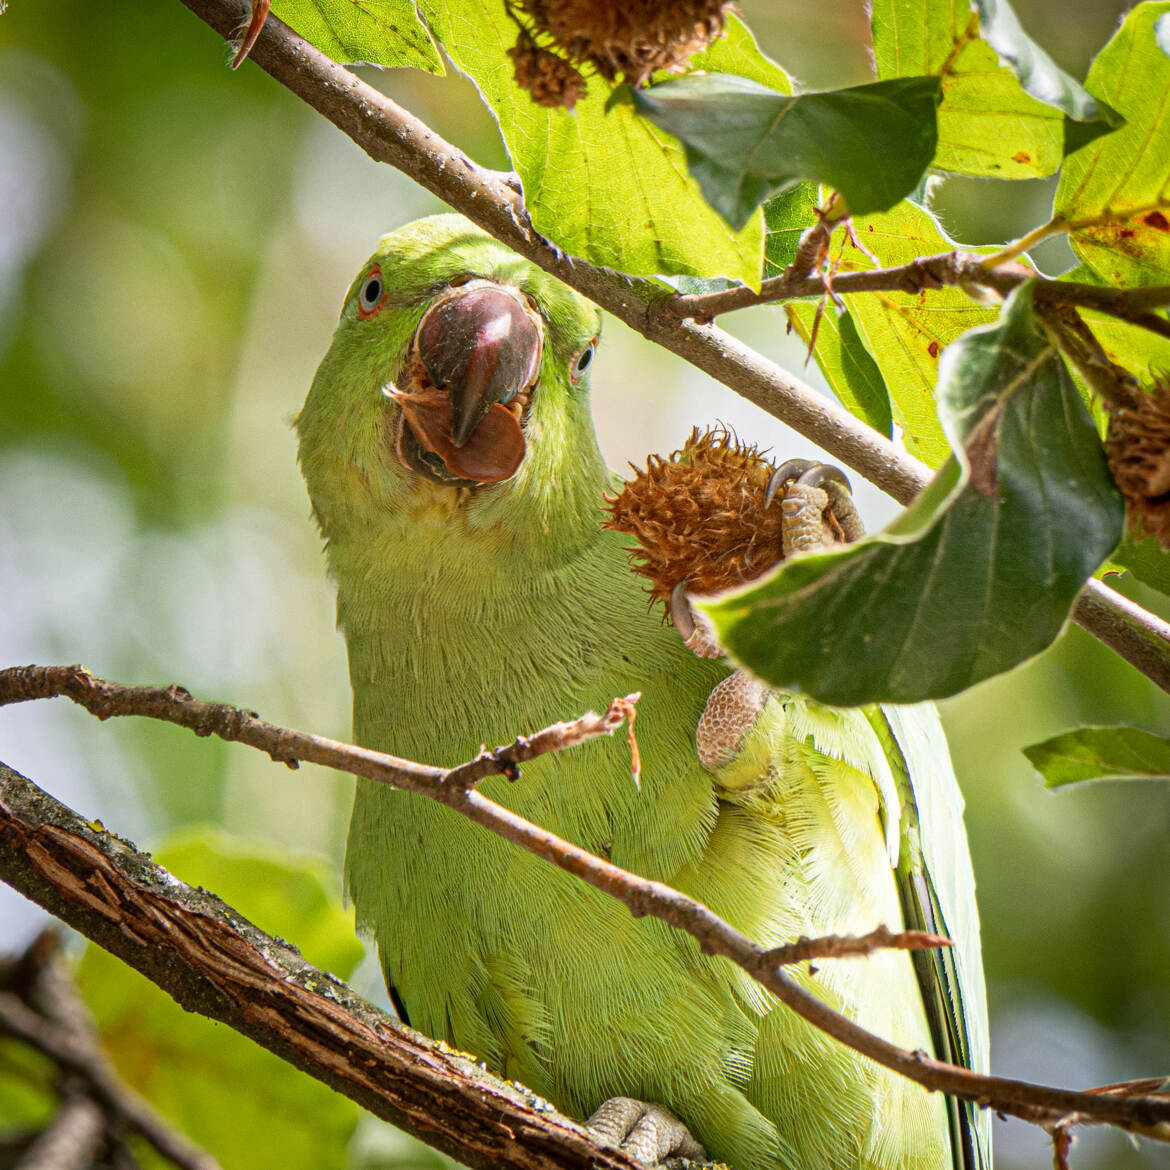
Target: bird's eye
372, 293
584, 360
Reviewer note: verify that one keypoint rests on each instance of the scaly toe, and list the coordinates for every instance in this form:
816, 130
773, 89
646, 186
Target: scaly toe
645, 1131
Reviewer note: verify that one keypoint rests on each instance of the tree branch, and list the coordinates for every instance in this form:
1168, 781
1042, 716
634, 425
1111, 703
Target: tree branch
63, 1031
69, 1141
390, 134
964, 269
214, 962
39, 845
839, 946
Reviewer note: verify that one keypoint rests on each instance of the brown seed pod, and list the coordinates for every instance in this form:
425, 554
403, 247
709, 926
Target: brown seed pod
699, 516
1138, 445
550, 79
630, 39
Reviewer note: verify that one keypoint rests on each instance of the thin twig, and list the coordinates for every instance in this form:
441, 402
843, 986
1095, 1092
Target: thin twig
69, 1141
175, 704
945, 269
1116, 387
844, 946
390, 134
1037, 1103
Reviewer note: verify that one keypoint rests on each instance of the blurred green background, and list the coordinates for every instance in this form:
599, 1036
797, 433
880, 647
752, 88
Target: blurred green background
175, 241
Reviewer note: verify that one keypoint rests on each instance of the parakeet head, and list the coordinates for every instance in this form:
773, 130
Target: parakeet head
457, 383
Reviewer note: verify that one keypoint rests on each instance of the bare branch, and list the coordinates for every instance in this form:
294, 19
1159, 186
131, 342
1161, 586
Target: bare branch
390, 134
214, 962
1116, 387
1037, 1103
175, 704
945, 269
843, 946
43, 1008
69, 1141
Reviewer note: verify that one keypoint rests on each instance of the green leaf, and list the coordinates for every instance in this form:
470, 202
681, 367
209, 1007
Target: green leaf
1042, 77
221, 1089
363, 32
1101, 753
907, 334
605, 184
28, 1098
979, 573
787, 217
987, 124
851, 372
1114, 196
744, 141
1145, 559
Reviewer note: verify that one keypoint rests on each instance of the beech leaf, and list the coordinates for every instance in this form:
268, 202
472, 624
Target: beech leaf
979, 573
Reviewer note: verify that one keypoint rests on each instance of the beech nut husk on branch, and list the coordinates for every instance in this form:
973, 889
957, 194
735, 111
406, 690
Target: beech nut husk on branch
1138, 444
626, 39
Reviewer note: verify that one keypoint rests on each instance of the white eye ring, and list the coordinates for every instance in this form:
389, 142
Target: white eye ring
372, 293
584, 360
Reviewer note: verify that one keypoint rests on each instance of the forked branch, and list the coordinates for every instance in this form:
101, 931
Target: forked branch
1040, 1104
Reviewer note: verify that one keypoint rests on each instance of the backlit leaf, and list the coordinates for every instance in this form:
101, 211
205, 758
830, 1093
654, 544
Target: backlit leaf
603, 183
367, 32
1114, 196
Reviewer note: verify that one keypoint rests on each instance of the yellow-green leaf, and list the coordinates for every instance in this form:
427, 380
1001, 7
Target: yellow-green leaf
364, 32
905, 333
1114, 195
987, 124
604, 183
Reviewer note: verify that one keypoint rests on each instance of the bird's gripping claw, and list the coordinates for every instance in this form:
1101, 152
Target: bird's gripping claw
817, 512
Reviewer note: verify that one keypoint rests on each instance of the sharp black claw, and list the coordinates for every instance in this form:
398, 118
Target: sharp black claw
680, 611
789, 470
820, 472
803, 471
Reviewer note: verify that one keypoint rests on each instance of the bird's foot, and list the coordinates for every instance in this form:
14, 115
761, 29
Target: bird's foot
731, 712
817, 506
645, 1131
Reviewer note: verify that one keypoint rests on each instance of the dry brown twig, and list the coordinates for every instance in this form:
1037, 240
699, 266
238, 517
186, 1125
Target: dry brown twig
1040, 1104
842, 946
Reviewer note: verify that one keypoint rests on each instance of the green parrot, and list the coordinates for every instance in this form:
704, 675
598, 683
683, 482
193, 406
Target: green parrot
450, 457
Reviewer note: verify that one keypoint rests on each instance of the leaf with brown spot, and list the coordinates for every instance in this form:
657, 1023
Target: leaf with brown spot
1115, 193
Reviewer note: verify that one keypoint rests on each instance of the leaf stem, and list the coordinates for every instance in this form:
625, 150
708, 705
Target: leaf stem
1054, 227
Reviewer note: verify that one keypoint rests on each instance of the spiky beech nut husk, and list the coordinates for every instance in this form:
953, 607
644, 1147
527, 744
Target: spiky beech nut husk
630, 39
699, 516
1138, 445
549, 78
